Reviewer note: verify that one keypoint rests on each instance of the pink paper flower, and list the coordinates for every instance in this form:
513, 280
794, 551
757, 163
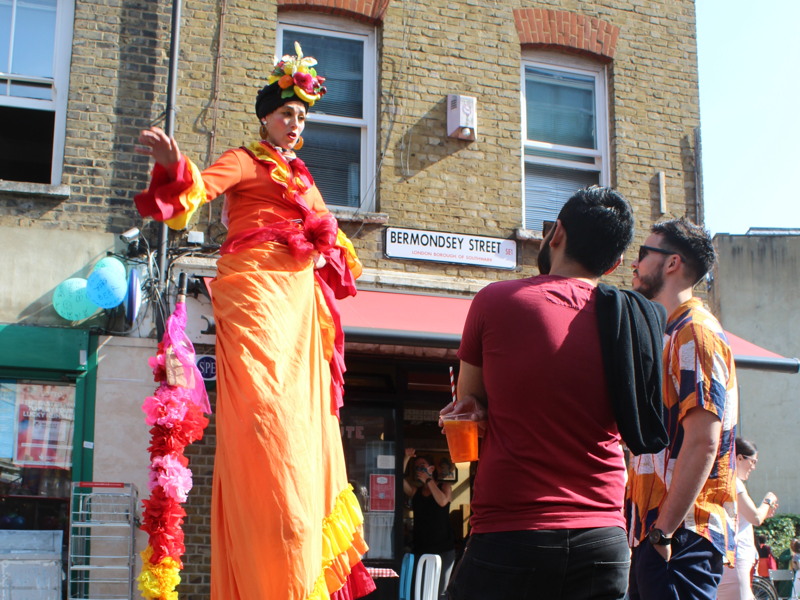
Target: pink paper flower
167, 407
174, 477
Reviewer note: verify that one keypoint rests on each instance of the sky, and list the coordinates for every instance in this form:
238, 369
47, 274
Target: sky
749, 61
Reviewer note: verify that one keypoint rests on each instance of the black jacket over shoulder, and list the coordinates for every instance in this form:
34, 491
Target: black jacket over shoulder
631, 338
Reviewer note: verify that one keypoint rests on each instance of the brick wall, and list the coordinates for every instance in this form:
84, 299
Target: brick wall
426, 50
426, 180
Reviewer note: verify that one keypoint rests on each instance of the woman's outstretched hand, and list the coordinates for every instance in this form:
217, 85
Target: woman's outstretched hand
163, 148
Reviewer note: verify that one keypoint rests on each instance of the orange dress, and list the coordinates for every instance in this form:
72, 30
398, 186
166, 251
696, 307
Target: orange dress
285, 523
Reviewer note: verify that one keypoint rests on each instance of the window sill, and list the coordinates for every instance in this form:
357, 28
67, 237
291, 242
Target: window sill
353, 216
35, 189
528, 235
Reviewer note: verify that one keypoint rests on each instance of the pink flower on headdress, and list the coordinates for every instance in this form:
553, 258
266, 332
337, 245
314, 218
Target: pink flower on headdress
304, 81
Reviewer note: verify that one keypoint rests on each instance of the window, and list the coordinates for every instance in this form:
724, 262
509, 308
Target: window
339, 136
35, 41
565, 124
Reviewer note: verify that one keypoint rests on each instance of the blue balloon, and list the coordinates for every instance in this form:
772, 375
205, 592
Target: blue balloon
110, 262
70, 300
107, 288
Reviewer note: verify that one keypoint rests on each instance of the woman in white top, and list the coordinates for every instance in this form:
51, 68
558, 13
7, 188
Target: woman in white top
735, 583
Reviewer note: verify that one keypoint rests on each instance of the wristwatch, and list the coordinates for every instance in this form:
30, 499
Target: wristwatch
768, 501
657, 538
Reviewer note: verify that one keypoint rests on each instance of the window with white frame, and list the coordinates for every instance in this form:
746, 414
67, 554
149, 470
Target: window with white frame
339, 138
35, 42
565, 126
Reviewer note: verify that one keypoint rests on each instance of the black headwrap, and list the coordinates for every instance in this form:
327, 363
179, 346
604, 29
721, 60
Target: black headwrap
270, 99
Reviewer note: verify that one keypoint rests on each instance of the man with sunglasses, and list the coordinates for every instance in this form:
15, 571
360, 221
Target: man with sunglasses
681, 502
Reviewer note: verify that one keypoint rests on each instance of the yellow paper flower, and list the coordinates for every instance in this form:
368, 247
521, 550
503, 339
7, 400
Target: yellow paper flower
158, 582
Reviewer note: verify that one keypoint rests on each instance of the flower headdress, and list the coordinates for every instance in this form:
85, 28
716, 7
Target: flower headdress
296, 76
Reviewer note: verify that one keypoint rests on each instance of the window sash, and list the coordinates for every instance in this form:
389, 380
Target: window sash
54, 100
364, 123
553, 169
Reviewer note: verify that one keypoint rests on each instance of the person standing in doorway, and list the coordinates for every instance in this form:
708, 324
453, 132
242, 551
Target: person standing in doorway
430, 501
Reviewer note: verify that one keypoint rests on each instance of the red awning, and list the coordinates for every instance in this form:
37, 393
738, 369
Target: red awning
405, 319
427, 320
748, 355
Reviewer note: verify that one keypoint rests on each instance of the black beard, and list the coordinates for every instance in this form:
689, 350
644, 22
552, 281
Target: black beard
649, 287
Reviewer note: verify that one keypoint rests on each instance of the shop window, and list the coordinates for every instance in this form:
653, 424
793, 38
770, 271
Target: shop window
35, 41
368, 436
36, 441
565, 132
340, 131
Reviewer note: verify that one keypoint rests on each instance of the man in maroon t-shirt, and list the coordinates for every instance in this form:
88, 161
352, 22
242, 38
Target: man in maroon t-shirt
547, 517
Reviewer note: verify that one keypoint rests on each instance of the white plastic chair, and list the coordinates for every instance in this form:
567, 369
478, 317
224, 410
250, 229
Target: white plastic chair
429, 569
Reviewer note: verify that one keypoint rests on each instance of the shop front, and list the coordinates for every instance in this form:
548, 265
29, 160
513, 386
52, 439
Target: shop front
46, 388
400, 348
392, 407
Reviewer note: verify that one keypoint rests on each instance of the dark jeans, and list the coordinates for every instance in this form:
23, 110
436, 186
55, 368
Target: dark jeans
571, 564
693, 572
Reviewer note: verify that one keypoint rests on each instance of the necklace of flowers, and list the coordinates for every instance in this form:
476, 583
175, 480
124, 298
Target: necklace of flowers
175, 414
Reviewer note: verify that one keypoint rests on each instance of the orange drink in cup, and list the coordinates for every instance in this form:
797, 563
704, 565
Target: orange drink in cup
462, 437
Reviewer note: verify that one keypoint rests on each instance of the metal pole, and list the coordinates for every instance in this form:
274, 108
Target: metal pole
169, 128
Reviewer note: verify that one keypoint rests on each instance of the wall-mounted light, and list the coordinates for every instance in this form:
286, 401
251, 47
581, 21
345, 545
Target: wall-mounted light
462, 117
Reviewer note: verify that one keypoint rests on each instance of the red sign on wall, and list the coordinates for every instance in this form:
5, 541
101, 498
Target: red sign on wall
381, 492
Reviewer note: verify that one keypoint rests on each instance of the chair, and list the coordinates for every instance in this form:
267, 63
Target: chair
406, 575
429, 569
777, 576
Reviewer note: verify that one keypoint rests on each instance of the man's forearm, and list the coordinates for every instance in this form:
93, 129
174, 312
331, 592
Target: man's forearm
702, 431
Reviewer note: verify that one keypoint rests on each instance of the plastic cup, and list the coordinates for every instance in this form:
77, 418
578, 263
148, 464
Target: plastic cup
462, 437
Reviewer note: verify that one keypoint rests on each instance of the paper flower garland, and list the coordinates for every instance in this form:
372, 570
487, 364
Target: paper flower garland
175, 414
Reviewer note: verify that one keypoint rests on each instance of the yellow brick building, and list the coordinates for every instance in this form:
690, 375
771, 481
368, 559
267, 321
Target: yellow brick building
564, 94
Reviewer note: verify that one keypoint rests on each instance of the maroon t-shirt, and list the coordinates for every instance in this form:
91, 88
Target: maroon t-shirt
551, 457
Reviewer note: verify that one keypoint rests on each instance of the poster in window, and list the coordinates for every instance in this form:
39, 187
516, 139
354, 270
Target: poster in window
45, 416
7, 418
381, 492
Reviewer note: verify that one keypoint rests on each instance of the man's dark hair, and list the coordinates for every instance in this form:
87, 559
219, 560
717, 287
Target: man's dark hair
599, 226
692, 242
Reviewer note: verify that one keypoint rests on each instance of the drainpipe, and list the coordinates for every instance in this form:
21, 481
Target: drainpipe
171, 110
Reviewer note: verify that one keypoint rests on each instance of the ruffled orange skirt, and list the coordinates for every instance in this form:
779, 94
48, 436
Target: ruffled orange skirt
285, 523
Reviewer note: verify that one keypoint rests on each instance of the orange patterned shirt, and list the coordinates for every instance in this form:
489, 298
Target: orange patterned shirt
698, 372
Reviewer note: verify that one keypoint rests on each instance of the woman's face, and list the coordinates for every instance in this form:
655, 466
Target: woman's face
422, 465
745, 465
285, 124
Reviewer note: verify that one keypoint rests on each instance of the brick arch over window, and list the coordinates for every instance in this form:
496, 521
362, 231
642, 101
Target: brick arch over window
539, 27
368, 11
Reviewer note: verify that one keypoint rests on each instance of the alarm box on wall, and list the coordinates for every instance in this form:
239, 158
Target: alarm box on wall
462, 117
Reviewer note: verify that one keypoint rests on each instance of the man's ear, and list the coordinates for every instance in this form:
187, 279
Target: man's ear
559, 235
673, 264
614, 266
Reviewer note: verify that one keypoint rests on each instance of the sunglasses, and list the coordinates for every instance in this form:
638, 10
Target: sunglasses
645, 250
